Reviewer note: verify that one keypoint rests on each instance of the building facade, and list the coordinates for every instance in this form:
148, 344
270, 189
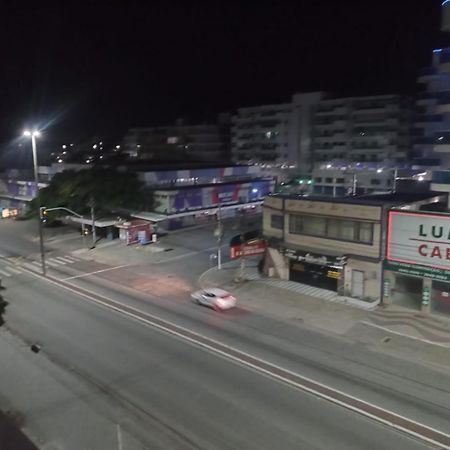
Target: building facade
417, 266
335, 244
313, 129
432, 121
207, 143
363, 129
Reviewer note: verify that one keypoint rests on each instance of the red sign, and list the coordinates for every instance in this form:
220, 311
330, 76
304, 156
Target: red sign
253, 248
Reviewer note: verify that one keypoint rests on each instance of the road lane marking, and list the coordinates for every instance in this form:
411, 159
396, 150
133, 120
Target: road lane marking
37, 263
57, 260
6, 274
268, 369
409, 336
51, 263
29, 266
65, 259
13, 269
95, 272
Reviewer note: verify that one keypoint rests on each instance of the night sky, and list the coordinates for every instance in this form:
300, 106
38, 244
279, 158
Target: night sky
102, 68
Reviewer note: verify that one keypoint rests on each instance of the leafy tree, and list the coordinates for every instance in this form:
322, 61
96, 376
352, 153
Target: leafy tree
108, 188
3, 305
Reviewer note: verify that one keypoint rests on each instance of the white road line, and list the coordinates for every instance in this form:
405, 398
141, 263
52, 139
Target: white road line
214, 347
29, 266
72, 258
6, 274
93, 273
13, 269
426, 341
57, 259
36, 263
65, 259
51, 263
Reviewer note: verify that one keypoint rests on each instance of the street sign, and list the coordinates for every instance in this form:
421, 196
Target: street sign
252, 248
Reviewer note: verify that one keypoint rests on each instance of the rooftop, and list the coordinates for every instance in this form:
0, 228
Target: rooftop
392, 199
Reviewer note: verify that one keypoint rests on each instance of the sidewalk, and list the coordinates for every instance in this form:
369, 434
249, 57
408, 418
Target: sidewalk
389, 329
51, 405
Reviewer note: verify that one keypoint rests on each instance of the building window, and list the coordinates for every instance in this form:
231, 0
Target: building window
277, 221
318, 179
313, 226
365, 232
340, 180
375, 181
328, 180
344, 230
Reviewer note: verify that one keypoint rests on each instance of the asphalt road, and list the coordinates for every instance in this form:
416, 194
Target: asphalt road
169, 388
203, 400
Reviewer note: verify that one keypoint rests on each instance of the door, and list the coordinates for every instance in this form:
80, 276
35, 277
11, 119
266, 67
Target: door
357, 283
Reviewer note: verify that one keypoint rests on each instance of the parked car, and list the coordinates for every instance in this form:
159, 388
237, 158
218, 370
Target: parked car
214, 298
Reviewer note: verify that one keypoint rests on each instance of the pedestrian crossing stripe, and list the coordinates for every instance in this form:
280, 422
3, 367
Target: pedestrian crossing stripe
64, 259
12, 269
51, 264
6, 274
57, 260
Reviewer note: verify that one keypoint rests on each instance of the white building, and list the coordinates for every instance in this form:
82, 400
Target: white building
432, 125
313, 129
363, 129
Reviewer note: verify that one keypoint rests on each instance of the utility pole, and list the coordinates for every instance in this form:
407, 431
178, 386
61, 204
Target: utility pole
94, 234
219, 233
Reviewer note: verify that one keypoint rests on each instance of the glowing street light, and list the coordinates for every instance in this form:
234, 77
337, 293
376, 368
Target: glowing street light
33, 135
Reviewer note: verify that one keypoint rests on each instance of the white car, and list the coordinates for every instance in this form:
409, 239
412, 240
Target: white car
214, 298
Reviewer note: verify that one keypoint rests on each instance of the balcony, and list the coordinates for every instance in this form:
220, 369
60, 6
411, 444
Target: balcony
427, 74
442, 142
443, 105
423, 120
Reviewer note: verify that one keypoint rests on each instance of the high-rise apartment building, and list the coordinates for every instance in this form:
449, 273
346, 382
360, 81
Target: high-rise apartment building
313, 129
432, 124
363, 129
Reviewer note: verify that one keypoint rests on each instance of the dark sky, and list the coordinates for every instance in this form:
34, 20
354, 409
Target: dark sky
100, 67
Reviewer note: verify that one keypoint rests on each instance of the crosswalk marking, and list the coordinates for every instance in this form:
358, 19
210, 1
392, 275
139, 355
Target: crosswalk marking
72, 258
29, 266
51, 264
56, 259
13, 269
6, 274
36, 263
64, 259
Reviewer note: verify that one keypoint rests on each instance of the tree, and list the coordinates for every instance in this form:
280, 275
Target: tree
3, 305
110, 189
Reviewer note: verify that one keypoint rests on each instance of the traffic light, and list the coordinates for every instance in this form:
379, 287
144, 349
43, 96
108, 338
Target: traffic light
43, 213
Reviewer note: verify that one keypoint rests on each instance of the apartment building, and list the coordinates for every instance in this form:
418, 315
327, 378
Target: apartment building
360, 129
205, 142
313, 129
275, 135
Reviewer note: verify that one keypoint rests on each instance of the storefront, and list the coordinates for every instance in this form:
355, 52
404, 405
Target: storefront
417, 269
322, 271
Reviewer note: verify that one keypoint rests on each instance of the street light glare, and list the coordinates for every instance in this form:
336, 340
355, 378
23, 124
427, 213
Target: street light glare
28, 133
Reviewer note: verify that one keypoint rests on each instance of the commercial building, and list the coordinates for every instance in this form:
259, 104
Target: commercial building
339, 179
191, 198
333, 243
180, 142
417, 267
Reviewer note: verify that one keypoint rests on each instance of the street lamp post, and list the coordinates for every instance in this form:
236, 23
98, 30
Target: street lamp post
34, 135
